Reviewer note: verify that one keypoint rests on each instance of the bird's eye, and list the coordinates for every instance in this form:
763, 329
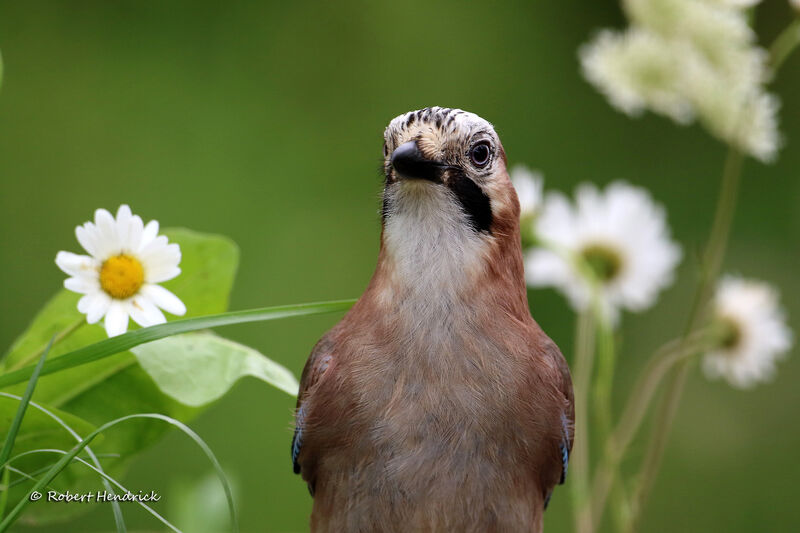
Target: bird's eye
479, 154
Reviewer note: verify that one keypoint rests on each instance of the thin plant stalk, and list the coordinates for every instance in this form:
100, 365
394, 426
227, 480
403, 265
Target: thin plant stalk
784, 45
715, 253
605, 378
664, 359
584, 355
781, 49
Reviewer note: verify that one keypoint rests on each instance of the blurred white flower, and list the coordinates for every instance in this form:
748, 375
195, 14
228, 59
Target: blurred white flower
754, 332
530, 191
530, 188
795, 4
637, 70
744, 4
119, 278
620, 233
687, 60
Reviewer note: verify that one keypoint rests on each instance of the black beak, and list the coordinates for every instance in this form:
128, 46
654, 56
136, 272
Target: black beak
409, 163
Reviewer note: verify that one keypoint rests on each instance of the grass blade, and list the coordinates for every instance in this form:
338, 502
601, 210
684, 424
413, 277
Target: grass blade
61, 464
5, 452
5, 483
103, 475
126, 341
115, 507
11, 436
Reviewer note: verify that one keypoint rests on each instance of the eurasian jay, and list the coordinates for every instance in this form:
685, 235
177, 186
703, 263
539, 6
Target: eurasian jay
437, 403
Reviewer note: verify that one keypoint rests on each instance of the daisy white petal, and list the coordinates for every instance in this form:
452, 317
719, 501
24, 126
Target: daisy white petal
160, 275
97, 306
87, 238
164, 299
144, 312
150, 232
155, 245
135, 231
82, 285
161, 264
77, 265
123, 225
108, 241
116, 321
85, 302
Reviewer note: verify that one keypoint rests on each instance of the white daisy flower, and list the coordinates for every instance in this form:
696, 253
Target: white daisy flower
119, 277
529, 185
753, 330
795, 4
620, 233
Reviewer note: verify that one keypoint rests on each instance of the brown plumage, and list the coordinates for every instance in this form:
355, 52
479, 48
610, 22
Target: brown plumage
437, 403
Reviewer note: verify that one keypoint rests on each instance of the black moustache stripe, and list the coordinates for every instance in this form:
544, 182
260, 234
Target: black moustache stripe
473, 200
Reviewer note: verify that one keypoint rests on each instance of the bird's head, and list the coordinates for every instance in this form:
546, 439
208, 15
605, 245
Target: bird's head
449, 208
452, 157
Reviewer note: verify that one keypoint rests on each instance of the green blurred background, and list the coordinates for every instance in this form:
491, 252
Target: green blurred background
262, 121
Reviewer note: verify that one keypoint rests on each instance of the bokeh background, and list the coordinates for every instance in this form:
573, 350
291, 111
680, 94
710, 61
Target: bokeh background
262, 121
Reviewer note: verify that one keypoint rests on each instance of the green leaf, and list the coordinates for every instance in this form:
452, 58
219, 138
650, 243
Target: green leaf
198, 368
116, 386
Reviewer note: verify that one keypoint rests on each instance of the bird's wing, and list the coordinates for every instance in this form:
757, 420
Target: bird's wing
318, 362
567, 414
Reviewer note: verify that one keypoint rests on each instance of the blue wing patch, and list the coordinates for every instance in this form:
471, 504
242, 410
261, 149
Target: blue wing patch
564, 447
297, 440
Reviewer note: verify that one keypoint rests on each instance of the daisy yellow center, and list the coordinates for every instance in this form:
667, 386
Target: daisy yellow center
121, 276
730, 334
604, 261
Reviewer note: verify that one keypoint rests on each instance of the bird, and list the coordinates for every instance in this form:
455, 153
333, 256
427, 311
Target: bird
437, 403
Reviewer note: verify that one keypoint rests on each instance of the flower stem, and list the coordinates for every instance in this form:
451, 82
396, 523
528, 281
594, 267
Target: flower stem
784, 45
712, 263
605, 377
584, 352
602, 404
632, 416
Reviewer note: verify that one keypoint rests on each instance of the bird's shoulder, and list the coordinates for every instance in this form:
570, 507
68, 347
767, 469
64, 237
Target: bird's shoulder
549, 359
319, 361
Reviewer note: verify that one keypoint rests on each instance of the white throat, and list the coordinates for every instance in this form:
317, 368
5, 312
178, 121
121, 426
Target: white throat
433, 251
